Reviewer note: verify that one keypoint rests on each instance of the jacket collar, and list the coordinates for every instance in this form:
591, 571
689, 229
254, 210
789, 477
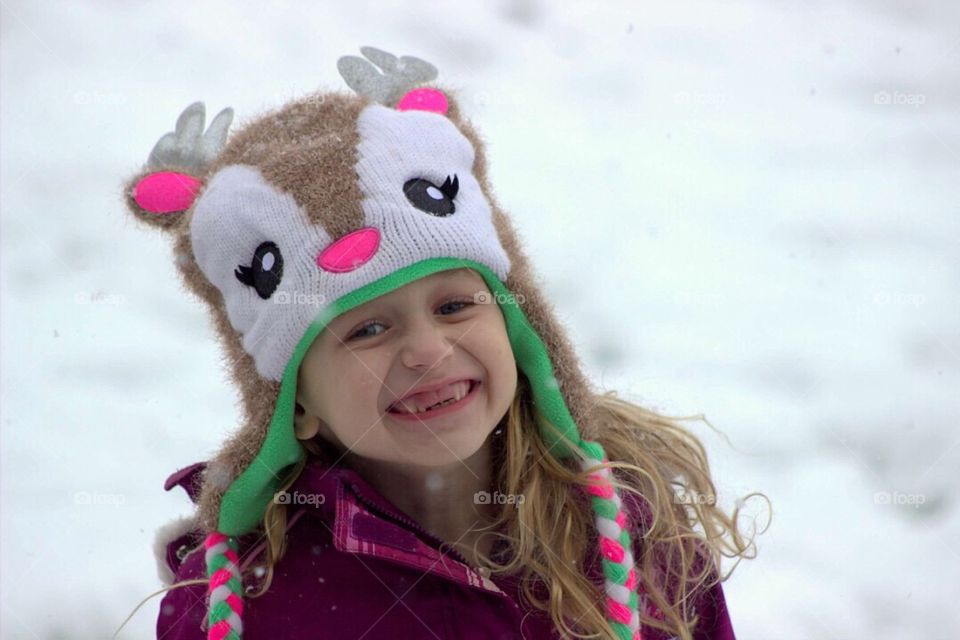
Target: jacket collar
361, 521
366, 523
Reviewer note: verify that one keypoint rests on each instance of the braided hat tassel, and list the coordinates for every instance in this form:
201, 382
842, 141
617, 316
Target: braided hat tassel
619, 570
225, 591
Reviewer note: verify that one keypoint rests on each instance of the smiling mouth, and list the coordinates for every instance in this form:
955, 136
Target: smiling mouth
462, 392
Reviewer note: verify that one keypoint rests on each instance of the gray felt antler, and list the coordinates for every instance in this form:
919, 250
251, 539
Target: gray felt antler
387, 85
187, 146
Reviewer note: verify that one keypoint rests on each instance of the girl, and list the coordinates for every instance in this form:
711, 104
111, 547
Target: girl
421, 455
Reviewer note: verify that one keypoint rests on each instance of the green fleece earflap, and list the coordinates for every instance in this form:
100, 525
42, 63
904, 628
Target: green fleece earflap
246, 499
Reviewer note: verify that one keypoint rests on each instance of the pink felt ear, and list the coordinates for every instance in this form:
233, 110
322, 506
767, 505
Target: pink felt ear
166, 192
424, 99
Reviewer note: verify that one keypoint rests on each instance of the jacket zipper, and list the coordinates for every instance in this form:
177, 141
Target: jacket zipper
413, 525
417, 528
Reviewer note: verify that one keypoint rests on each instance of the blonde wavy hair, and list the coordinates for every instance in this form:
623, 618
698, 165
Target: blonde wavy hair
653, 457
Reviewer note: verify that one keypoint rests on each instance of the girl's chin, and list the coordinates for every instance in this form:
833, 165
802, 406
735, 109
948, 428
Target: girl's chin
441, 449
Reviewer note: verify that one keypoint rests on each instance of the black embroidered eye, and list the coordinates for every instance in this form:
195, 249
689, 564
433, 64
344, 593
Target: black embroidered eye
264, 272
429, 198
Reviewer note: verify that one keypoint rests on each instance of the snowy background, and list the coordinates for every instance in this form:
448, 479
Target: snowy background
748, 211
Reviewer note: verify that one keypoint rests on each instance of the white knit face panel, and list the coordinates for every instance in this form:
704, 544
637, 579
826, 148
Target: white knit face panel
239, 210
396, 146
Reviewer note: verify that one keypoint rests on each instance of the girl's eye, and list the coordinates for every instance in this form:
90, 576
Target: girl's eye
453, 306
359, 333
457, 303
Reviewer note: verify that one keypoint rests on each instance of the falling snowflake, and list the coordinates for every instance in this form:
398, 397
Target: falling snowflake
218, 474
434, 482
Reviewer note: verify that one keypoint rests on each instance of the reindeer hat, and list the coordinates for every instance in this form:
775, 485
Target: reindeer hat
322, 205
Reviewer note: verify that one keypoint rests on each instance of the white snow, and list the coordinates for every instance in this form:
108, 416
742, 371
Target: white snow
746, 209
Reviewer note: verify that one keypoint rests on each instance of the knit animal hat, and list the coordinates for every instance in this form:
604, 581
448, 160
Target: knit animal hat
322, 205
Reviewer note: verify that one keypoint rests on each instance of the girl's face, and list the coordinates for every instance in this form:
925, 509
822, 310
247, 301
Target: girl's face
366, 379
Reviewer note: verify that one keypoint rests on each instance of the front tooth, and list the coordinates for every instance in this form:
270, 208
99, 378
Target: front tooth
460, 390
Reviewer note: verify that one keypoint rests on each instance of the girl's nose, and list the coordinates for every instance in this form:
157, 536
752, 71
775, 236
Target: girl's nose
425, 345
351, 251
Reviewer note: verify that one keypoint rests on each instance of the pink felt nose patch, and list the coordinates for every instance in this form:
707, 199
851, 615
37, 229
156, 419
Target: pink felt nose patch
350, 252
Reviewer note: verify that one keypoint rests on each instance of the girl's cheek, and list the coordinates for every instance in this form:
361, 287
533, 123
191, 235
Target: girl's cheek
379, 363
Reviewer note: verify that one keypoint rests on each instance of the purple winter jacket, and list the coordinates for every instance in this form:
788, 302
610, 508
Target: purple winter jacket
357, 567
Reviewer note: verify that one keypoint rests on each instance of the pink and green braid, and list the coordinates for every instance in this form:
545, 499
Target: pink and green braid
619, 571
225, 591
